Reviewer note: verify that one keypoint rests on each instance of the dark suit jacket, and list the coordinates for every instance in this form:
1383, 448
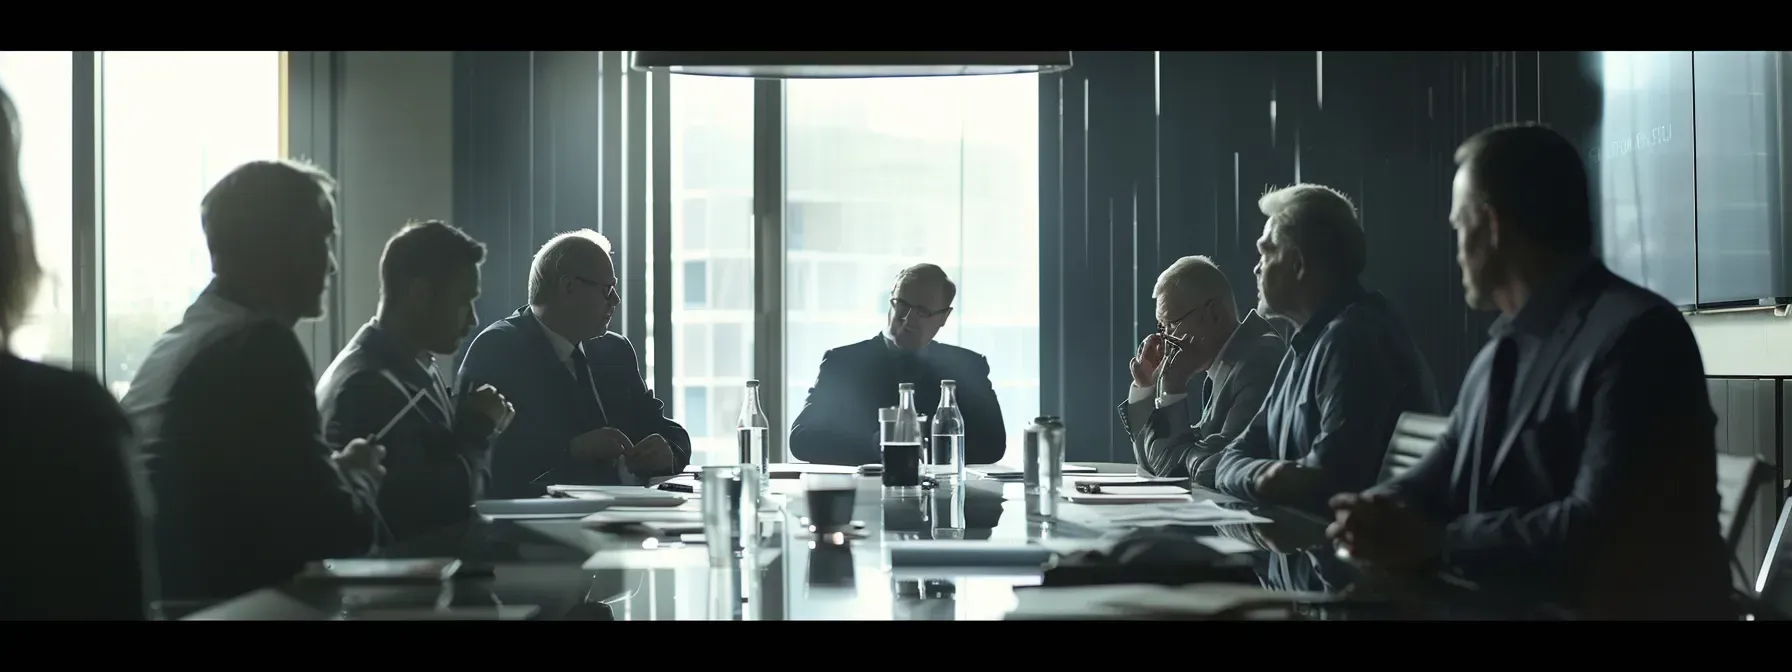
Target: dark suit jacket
77, 506
1602, 493
1166, 444
838, 423
246, 492
514, 354
436, 465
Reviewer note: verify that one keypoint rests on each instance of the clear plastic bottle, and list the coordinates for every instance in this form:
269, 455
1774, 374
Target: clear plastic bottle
946, 457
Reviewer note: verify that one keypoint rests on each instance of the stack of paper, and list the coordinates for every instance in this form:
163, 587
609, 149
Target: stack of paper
1191, 513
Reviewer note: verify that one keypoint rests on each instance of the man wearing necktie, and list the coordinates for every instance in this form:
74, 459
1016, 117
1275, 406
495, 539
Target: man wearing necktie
1578, 468
583, 413
838, 423
384, 386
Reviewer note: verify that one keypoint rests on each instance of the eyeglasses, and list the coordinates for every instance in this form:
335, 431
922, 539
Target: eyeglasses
1165, 327
610, 294
904, 309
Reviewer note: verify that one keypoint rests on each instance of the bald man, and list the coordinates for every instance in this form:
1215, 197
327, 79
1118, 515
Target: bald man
583, 415
1198, 334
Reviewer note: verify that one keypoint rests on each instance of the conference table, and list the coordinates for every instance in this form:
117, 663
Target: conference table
561, 569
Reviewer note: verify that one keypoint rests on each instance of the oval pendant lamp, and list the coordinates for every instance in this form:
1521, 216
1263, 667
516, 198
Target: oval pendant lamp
850, 64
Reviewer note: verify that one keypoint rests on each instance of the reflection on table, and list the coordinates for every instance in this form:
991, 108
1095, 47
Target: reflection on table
563, 570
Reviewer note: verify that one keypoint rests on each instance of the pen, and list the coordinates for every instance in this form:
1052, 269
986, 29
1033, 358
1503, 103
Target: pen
1097, 487
401, 412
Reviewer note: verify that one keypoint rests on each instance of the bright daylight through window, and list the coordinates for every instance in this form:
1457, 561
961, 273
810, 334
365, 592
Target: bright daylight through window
881, 174
174, 122
41, 84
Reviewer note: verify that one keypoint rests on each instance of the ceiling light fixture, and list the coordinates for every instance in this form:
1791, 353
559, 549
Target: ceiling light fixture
851, 64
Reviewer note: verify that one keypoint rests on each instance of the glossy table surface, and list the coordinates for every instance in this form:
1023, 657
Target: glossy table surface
572, 572
563, 570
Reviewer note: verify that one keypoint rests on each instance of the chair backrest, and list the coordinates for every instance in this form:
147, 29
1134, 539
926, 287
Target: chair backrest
1739, 480
1415, 434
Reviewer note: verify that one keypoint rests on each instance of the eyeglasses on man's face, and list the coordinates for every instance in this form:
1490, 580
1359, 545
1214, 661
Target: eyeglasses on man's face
905, 310
610, 293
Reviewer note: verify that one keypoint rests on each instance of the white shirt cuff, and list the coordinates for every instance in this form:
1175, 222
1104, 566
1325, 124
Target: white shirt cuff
1171, 399
1138, 394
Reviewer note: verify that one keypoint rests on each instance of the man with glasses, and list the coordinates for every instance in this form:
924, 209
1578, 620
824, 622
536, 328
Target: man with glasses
838, 423
1198, 331
583, 414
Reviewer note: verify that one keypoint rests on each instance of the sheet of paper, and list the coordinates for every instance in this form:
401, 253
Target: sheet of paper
1192, 513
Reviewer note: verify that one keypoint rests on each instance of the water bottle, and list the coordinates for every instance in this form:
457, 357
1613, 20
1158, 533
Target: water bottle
909, 420
947, 454
753, 429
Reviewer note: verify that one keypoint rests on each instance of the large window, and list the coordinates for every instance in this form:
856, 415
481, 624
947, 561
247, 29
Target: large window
885, 173
174, 123
712, 256
41, 84
879, 174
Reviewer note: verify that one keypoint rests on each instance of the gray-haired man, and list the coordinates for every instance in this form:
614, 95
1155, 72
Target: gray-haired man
1198, 331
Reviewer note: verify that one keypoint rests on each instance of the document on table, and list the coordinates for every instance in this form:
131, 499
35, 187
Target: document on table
1190, 513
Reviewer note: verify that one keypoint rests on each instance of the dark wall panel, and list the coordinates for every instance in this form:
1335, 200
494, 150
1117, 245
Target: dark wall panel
1167, 153
537, 152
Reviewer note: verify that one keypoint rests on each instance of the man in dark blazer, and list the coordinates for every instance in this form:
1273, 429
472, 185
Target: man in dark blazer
1351, 369
385, 386
838, 423
1198, 332
583, 413
246, 488
1579, 465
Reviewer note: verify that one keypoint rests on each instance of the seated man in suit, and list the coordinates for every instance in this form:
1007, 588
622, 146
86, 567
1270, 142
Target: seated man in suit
838, 423
1198, 332
436, 458
1350, 371
1578, 467
583, 413
247, 491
